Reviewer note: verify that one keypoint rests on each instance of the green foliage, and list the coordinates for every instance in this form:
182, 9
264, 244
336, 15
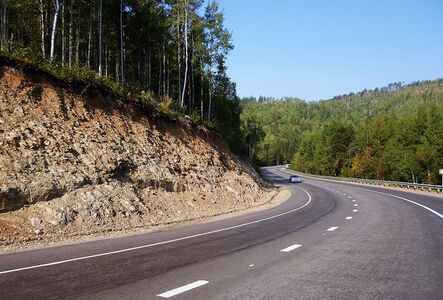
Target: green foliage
393, 133
253, 133
195, 118
165, 105
137, 47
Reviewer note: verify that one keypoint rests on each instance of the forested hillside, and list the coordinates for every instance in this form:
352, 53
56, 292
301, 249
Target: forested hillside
392, 133
169, 52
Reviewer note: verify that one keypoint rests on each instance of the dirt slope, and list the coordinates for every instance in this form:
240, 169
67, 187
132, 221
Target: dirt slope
73, 162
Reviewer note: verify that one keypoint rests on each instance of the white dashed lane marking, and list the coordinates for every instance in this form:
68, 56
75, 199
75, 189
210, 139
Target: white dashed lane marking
290, 248
348, 218
183, 289
332, 228
355, 204
355, 210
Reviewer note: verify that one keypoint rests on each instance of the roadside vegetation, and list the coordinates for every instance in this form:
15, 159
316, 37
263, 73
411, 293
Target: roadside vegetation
392, 133
167, 56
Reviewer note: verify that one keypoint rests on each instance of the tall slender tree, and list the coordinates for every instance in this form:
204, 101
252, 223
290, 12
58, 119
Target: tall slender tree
54, 28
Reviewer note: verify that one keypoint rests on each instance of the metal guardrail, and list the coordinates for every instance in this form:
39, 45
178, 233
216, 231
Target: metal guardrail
407, 185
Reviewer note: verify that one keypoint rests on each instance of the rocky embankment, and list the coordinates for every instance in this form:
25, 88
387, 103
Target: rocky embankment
75, 162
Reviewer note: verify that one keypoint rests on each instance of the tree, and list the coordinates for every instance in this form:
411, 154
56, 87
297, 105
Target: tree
100, 38
54, 28
253, 133
186, 53
218, 41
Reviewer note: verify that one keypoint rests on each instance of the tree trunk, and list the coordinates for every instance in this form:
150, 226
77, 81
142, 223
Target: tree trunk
71, 40
192, 75
5, 25
42, 28
167, 78
201, 91
107, 58
178, 58
210, 93
149, 70
54, 28
210, 103
122, 47
63, 35
77, 47
89, 44
160, 72
100, 38
164, 70
186, 55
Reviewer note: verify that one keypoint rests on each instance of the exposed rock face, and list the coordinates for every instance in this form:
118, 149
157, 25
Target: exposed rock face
73, 162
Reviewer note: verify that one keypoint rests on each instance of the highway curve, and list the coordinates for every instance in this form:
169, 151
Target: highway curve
329, 240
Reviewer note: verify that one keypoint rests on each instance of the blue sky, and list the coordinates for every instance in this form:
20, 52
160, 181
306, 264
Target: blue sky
316, 49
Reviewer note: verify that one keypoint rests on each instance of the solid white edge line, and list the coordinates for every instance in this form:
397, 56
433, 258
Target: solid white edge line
332, 228
183, 289
160, 243
290, 248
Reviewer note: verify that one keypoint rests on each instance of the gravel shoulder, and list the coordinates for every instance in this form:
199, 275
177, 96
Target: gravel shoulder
272, 199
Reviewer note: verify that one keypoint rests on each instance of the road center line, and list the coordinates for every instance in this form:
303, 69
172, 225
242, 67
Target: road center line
332, 228
161, 243
290, 248
183, 289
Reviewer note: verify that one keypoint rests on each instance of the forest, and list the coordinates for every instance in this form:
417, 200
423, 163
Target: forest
391, 133
172, 51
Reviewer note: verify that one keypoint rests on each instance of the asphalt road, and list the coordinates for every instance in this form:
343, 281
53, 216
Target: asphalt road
328, 241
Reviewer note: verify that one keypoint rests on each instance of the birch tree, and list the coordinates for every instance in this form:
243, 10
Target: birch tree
100, 38
186, 53
54, 28
42, 28
218, 41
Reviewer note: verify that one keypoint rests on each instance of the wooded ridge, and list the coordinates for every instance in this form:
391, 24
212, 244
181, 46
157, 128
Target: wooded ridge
391, 133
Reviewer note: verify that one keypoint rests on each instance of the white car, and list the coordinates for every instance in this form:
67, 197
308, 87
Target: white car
295, 178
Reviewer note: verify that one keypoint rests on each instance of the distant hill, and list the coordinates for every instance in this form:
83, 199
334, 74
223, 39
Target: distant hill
392, 132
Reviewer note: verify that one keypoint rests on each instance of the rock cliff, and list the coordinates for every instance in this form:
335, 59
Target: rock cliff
75, 162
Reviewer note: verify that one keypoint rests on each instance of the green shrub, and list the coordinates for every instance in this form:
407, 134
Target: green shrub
195, 118
166, 104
